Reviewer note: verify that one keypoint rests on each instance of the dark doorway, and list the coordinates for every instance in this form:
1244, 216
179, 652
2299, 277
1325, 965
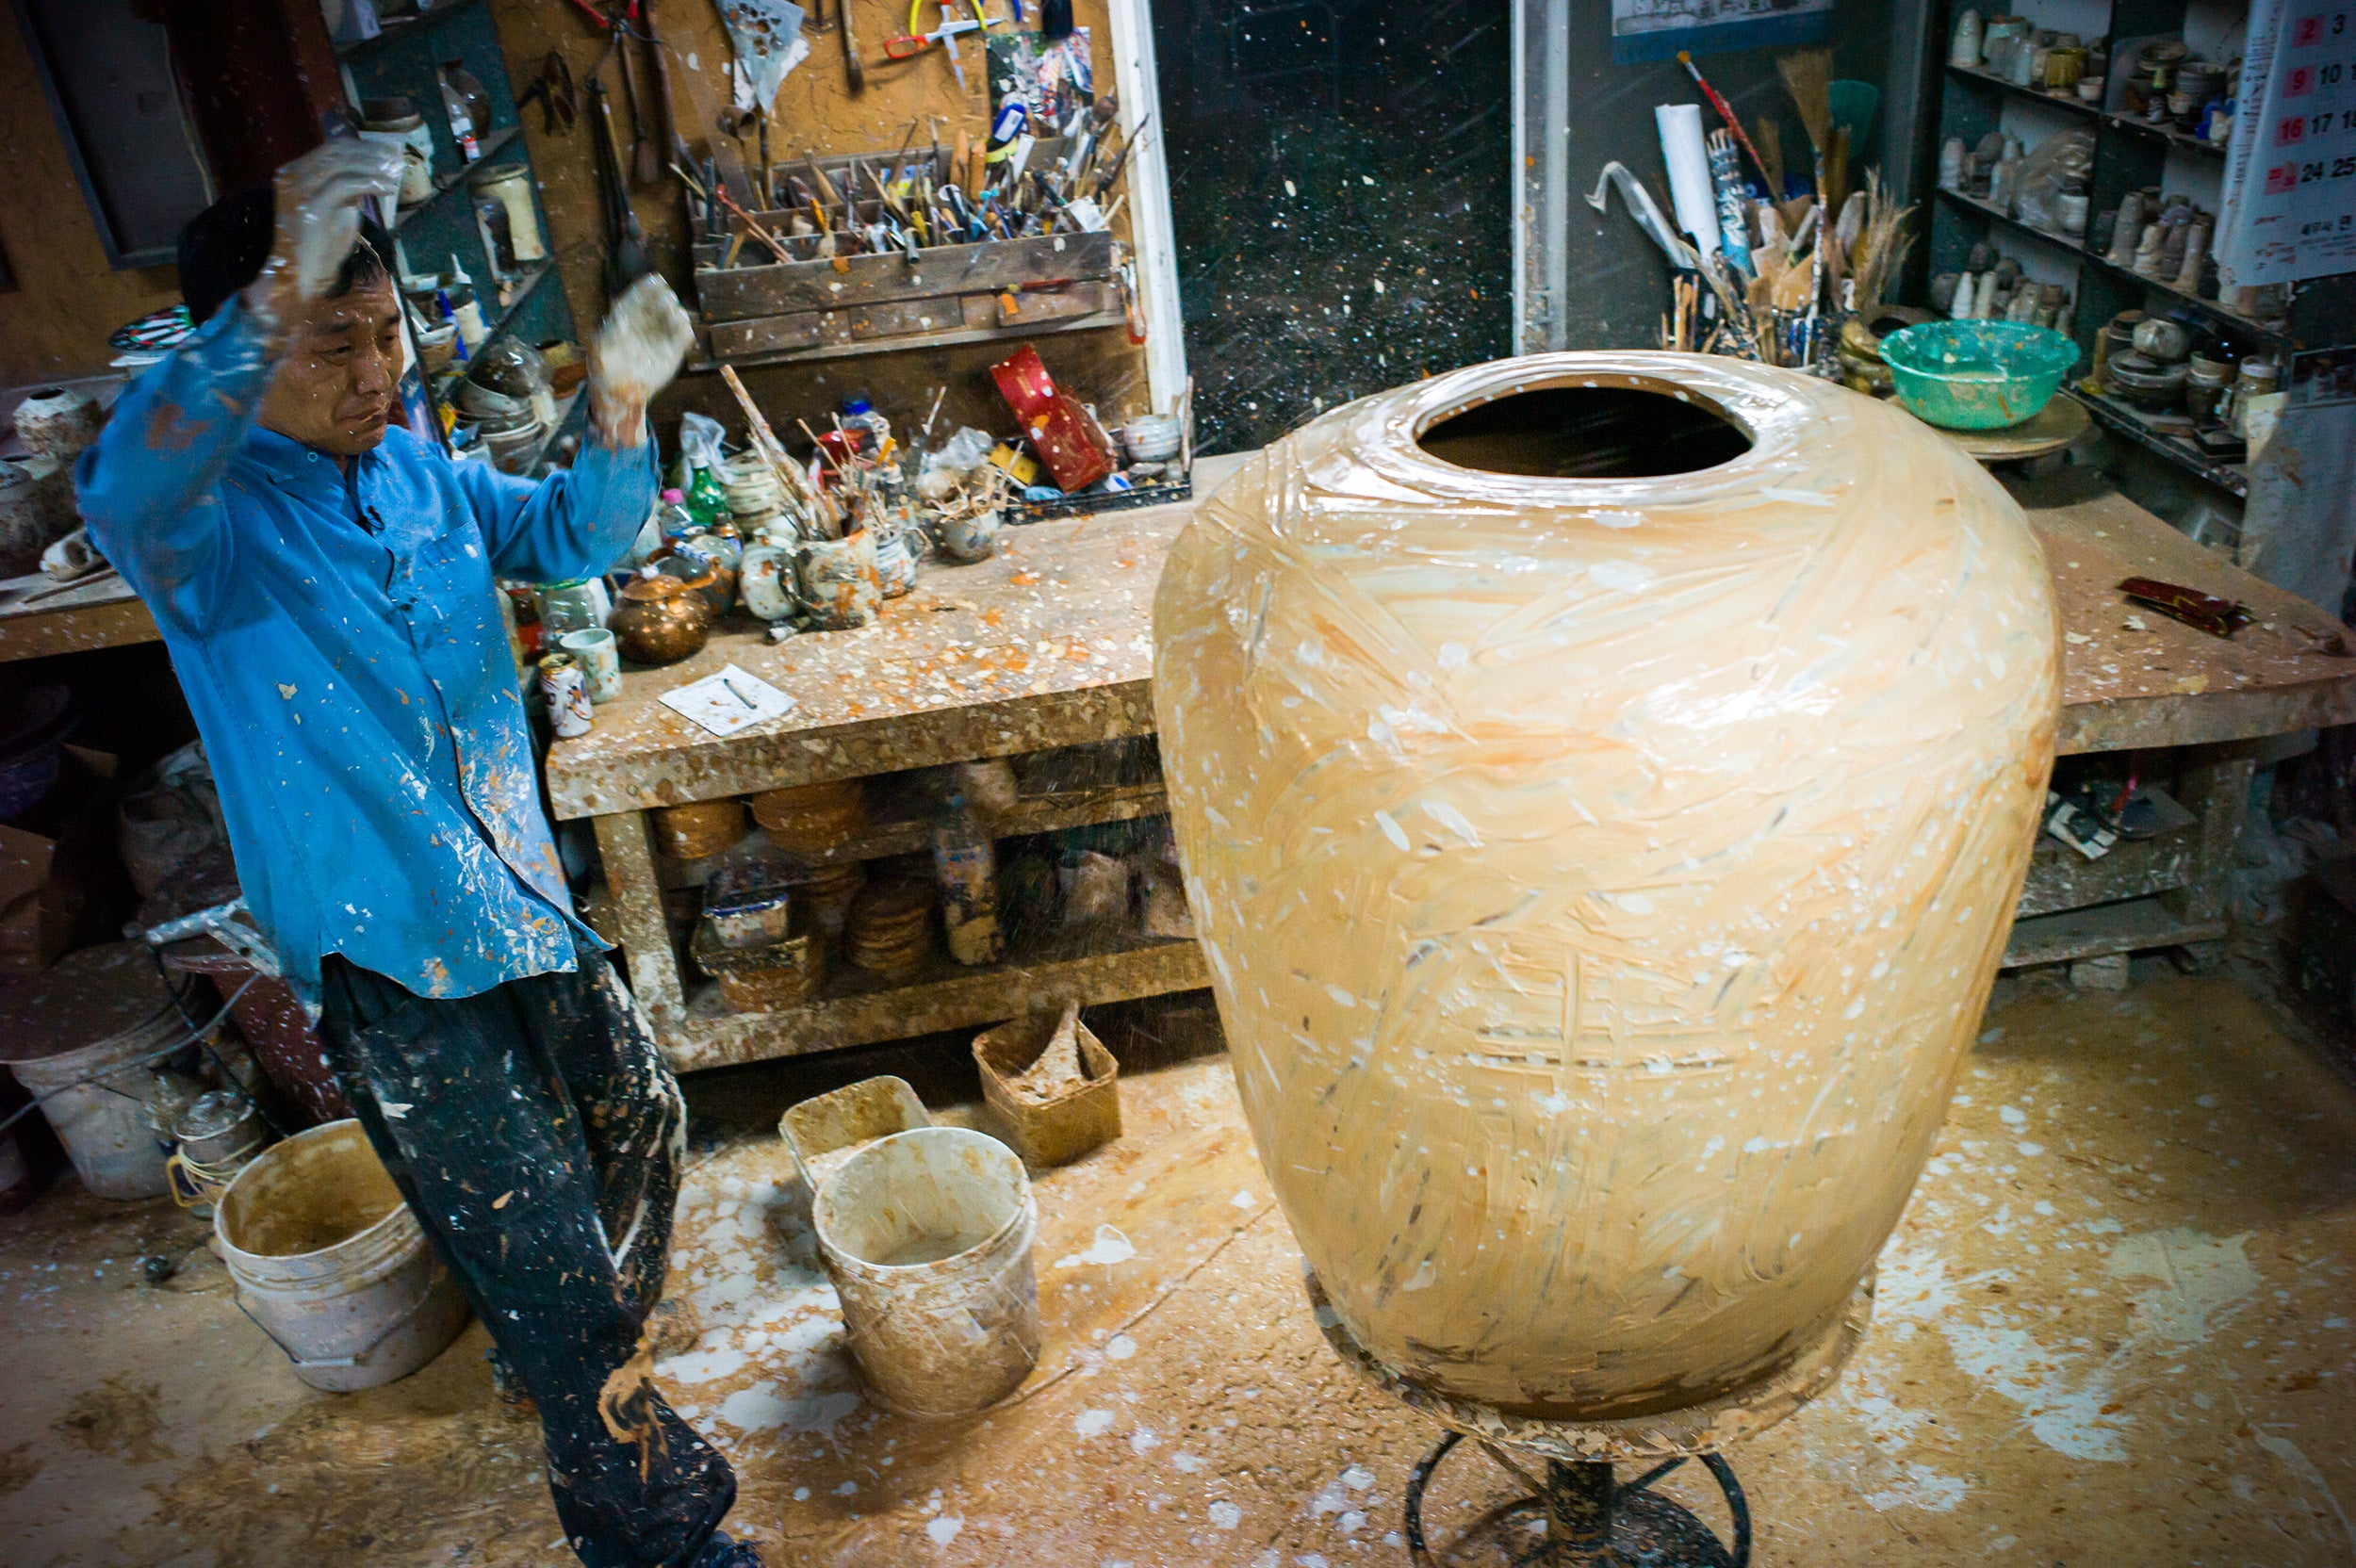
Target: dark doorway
1340, 184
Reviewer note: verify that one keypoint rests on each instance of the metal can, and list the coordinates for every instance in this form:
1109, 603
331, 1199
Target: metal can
566, 690
510, 185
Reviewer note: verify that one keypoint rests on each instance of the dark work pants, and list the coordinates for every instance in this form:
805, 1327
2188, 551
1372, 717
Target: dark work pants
536, 1133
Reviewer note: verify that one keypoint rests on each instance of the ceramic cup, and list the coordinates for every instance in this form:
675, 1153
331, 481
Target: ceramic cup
600, 662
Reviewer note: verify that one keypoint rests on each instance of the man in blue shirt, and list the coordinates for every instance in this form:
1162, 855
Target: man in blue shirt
325, 582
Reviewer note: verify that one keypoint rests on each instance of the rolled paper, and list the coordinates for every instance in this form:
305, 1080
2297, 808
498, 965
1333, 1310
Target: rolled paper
1688, 157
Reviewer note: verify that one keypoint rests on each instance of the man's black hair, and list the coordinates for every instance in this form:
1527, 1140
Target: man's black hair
223, 248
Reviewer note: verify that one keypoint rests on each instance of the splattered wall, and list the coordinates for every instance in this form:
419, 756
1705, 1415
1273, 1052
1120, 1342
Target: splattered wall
815, 110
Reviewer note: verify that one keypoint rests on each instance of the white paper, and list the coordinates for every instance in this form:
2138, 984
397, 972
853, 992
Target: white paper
1688, 157
729, 701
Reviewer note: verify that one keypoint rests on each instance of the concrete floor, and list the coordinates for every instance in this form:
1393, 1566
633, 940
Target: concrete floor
2113, 1328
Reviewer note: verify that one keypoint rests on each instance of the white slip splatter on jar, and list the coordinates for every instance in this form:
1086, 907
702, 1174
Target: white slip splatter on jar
1604, 782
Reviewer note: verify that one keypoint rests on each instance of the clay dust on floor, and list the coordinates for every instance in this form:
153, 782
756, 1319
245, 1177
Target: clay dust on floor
2114, 1327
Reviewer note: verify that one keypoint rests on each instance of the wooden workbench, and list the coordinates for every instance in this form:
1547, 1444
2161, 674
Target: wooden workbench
101, 613
1050, 645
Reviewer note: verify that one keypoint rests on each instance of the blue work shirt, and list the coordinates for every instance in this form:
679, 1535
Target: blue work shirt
340, 643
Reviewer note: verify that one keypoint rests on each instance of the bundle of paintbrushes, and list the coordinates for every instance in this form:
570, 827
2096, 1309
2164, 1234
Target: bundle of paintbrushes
1763, 277
894, 202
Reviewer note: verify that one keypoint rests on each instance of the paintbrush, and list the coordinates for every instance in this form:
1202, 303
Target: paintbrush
1771, 148
1104, 181
752, 226
1725, 113
1807, 76
818, 179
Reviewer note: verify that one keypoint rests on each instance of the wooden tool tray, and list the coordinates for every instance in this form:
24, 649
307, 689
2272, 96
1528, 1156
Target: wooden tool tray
824, 308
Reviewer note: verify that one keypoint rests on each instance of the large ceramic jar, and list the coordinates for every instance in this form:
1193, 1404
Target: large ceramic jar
1604, 782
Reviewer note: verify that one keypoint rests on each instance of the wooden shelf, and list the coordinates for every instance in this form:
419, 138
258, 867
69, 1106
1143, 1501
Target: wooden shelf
2167, 133
2118, 417
1995, 213
911, 832
1095, 321
2061, 878
2103, 930
1088, 965
2273, 337
2069, 103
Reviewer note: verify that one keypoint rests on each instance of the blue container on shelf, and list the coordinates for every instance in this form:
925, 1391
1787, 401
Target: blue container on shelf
1977, 375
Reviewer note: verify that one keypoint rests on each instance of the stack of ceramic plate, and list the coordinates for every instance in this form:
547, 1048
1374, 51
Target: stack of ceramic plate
812, 819
825, 895
705, 827
892, 927
754, 498
765, 977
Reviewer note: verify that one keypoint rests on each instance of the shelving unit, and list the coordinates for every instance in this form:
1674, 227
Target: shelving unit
401, 62
2130, 154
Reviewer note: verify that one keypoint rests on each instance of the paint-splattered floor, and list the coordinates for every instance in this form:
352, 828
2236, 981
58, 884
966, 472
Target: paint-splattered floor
2116, 1326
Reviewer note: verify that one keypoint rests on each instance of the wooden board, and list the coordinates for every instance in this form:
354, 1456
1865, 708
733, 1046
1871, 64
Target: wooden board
2106, 929
2061, 878
2124, 687
744, 293
2058, 424
1088, 967
912, 324
104, 614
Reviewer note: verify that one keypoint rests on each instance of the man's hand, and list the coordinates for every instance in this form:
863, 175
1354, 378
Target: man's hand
635, 354
318, 220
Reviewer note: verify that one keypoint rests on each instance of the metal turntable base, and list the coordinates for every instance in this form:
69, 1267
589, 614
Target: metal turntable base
1589, 1519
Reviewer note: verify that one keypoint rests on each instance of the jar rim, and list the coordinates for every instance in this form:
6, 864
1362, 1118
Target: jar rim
1766, 406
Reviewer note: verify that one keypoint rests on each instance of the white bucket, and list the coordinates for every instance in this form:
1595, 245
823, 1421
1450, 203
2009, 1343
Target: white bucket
103, 1123
928, 1237
330, 1262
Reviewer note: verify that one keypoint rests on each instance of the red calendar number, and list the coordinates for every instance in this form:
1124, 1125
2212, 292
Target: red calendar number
2309, 29
2282, 179
2300, 82
2291, 130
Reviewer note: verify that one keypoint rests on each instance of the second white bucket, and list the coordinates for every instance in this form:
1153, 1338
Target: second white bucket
330, 1263
927, 1237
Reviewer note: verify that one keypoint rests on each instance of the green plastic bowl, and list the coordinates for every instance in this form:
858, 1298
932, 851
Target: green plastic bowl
1977, 375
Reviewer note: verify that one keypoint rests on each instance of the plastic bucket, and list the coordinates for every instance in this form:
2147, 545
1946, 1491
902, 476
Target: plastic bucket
103, 1123
330, 1262
928, 1237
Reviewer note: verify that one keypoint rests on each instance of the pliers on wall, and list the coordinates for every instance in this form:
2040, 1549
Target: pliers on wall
553, 88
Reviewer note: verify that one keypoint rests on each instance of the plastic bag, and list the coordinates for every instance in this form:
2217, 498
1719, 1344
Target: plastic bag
700, 440
2060, 161
965, 450
170, 816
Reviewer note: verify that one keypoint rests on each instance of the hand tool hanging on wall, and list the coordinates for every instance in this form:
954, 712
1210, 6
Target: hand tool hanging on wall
852, 71
908, 47
658, 81
626, 258
645, 166
553, 88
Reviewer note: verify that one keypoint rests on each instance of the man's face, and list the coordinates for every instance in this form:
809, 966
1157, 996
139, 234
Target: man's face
333, 391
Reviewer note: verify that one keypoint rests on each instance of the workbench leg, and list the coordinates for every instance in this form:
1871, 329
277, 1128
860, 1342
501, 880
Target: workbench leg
629, 877
2214, 784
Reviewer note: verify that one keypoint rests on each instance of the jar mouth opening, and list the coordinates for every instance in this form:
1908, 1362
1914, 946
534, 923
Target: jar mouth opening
1585, 427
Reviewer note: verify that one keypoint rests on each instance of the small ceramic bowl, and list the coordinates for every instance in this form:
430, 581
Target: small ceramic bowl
2162, 339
